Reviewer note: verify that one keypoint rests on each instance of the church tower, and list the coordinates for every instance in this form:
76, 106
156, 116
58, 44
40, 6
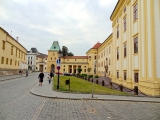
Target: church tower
52, 57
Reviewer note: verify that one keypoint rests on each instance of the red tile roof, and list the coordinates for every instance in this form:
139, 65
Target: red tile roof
75, 57
96, 45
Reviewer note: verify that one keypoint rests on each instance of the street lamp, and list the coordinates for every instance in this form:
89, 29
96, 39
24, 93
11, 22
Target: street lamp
58, 66
93, 77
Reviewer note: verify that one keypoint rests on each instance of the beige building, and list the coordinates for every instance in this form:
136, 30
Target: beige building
41, 62
136, 62
69, 64
12, 53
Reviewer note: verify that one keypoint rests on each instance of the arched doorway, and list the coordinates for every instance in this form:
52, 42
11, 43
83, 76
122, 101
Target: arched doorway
52, 68
40, 67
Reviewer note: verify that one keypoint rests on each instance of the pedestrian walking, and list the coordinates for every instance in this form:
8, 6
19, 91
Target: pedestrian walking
51, 75
26, 73
49, 78
20, 72
40, 77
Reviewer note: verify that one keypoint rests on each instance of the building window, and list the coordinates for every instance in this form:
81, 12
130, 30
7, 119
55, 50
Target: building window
2, 60
125, 50
124, 10
10, 61
95, 57
46, 58
37, 58
84, 70
64, 69
135, 12
136, 77
28, 57
117, 74
117, 32
15, 62
19, 54
125, 75
31, 62
124, 23
31, 57
3, 45
136, 45
7, 61
75, 59
64, 66
45, 68
117, 53
51, 58
67, 59
11, 50
18, 63
16, 52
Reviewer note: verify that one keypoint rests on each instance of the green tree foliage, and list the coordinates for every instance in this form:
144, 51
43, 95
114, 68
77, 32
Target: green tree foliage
64, 51
79, 70
70, 54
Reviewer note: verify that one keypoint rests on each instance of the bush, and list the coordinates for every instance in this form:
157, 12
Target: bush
90, 76
59, 73
96, 76
85, 75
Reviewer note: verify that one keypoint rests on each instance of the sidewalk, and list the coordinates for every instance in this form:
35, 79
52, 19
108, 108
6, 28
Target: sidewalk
46, 91
3, 78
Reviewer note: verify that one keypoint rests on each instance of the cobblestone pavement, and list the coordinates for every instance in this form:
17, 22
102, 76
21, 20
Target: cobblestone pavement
62, 109
16, 103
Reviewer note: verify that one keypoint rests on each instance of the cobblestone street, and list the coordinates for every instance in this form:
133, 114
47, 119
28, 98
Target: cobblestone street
17, 103
62, 109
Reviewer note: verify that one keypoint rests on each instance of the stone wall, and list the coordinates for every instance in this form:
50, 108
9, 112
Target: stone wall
6, 72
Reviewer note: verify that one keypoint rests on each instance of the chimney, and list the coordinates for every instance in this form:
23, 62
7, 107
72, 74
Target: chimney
17, 38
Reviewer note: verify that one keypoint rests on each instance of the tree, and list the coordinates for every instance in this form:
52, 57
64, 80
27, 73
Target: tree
89, 70
64, 50
70, 54
79, 70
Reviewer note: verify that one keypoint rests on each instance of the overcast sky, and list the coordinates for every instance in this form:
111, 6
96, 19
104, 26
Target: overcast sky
76, 24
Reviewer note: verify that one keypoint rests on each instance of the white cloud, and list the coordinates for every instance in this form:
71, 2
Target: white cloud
105, 3
77, 24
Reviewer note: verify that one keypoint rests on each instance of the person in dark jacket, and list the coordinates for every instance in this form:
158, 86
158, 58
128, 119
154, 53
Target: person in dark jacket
40, 77
51, 74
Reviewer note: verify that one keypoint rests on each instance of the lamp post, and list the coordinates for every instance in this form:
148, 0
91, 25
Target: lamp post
58, 66
93, 77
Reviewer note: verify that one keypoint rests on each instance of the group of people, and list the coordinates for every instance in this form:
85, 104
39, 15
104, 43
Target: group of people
41, 77
21, 72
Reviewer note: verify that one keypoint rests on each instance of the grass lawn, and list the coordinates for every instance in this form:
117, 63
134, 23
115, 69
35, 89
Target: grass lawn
78, 85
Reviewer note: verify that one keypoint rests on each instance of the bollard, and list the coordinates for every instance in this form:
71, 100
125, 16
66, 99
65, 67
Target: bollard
135, 90
102, 83
96, 81
111, 85
121, 88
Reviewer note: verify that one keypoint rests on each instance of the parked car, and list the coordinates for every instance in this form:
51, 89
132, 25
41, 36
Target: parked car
67, 74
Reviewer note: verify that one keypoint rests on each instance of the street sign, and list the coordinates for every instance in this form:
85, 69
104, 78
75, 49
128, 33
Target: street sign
58, 67
58, 62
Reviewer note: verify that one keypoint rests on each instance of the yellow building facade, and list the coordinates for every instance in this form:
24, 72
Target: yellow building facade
41, 62
12, 53
129, 56
136, 61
